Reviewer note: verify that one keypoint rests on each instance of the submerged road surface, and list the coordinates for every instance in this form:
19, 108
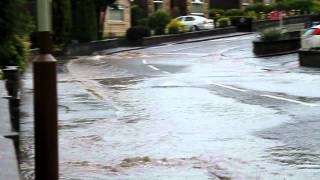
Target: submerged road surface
205, 110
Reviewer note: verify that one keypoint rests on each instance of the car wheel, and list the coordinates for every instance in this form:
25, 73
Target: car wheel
196, 28
192, 28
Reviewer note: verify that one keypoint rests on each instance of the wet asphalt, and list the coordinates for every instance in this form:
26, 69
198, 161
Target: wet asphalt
204, 110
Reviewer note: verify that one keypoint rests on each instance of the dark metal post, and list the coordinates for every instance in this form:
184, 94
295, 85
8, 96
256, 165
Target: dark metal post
12, 79
45, 100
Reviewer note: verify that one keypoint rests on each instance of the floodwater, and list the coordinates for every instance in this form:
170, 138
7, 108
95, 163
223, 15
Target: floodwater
120, 120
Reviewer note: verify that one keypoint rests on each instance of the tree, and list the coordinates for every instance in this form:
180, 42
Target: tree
85, 25
14, 28
101, 6
62, 21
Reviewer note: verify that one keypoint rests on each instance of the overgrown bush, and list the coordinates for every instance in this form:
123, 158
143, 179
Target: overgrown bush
143, 22
303, 5
259, 7
158, 22
216, 13
15, 25
223, 22
14, 52
175, 27
137, 33
251, 14
234, 12
271, 35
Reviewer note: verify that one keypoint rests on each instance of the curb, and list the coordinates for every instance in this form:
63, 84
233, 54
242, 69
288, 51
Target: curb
277, 54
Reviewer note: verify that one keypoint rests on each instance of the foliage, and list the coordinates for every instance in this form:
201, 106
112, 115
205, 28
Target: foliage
85, 26
175, 27
279, 6
216, 13
223, 22
143, 22
14, 52
15, 24
259, 7
233, 12
271, 35
62, 21
303, 5
158, 22
136, 15
137, 33
251, 14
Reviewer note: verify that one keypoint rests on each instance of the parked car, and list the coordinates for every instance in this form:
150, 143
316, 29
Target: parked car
311, 38
196, 23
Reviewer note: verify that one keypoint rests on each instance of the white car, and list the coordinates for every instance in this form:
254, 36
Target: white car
196, 23
311, 38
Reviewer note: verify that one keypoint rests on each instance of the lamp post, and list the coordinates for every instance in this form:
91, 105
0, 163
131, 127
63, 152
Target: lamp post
45, 99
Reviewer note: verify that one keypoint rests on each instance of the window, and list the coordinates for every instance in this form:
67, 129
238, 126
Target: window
189, 19
158, 5
197, 6
116, 14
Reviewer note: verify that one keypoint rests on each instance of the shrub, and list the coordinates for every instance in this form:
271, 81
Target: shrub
158, 22
143, 22
223, 22
14, 52
216, 13
259, 7
303, 5
175, 27
14, 25
271, 35
251, 14
137, 33
234, 12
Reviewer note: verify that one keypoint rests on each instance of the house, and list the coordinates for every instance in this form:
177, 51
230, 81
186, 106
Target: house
117, 19
175, 7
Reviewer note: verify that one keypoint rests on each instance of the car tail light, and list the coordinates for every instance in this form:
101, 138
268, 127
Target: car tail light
316, 32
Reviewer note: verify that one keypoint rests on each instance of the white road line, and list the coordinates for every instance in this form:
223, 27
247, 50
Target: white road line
225, 86
290, 100
166, 72
144, 61
190, 54
154, 68
186, 48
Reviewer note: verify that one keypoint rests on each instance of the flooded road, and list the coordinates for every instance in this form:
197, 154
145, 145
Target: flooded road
205, 110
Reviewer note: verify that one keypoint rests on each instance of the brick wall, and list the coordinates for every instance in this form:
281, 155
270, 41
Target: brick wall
116, 27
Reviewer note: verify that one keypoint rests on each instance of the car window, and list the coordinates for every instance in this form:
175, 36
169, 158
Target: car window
189, 19
180, 19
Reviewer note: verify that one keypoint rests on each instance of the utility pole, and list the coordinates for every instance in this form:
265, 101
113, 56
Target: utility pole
45, 100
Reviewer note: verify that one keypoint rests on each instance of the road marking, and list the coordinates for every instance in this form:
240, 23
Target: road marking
144, 61
190, 54
290, 100
225, 86
166, 72
154, 68
186, 48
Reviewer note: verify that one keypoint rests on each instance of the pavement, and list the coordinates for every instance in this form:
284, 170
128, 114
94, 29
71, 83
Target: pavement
201, 110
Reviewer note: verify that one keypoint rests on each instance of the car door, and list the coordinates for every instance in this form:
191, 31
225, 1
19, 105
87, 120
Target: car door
189, 21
